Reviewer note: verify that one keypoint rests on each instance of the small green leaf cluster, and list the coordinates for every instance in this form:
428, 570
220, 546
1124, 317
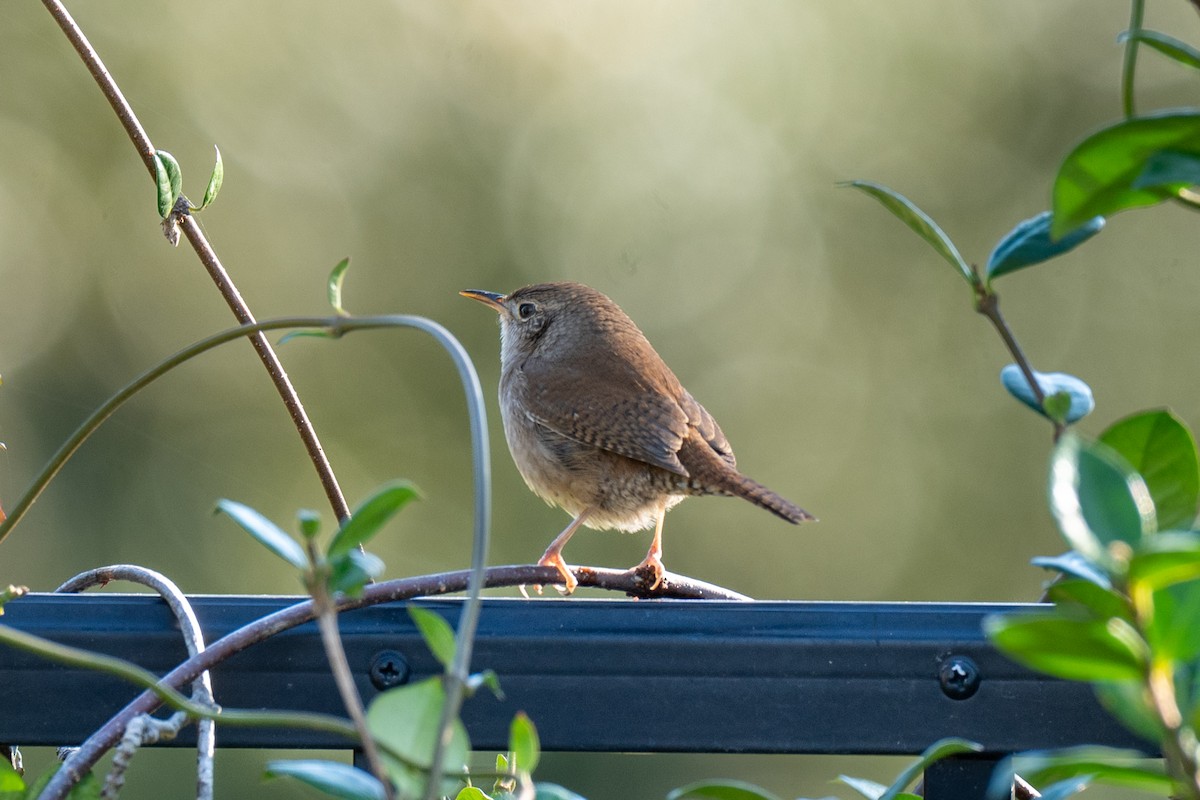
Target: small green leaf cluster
168, 180
343, 567
899, 789
1126, 614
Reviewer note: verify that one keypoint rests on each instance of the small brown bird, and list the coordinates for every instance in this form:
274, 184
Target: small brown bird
599, 425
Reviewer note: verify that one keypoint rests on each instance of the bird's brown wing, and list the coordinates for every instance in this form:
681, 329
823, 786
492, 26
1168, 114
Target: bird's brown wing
619, 411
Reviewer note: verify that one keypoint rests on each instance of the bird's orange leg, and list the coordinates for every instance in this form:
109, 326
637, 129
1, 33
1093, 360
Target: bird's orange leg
553, 555
653, 559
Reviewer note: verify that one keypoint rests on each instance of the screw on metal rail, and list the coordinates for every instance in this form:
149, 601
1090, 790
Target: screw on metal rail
959, 677
388, 669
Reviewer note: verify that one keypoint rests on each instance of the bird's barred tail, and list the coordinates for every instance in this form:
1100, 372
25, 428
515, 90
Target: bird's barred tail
779, 506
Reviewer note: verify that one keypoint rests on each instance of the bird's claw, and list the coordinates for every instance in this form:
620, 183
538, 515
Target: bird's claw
556, 560
653, 565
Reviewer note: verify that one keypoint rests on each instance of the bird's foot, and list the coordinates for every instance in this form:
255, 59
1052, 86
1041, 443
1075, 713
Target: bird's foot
555, 560
650, 570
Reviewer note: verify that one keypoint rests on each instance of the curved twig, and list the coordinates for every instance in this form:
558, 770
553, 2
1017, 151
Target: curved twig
673, 586
193, 638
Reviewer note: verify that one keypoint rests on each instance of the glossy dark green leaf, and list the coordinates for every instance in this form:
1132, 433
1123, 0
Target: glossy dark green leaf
1174, 629
214, 182
720, 790
1169, 46
437, 633
1104, 173
1169, 167
1030, 243
920, 222
1079, 395
352, 572
370, 516
406, 719
266, 532
1071, 563
1129, 703
1080, 650
1098, 602
336, 278
1097, 499
168, 179
1161, 449
1168, 558
330, 777
523, 742
943, 748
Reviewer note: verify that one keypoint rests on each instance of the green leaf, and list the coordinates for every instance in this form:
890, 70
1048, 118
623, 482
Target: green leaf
1064, 789
940, 749
1165, 559
1030, 243
168, 179
471, 793
1130, 704
1101, 175
1071, 563
868, 789
1127, 768
10, 779
331, 777
1100, 603
920, 222
351, 573
266, 532
1097, 499
1161, 449
1169, 46
1169, 167
488, 678
310, 522
406, 720
336, 278
552, 791
1174, 630
523, 742
1079, 650
1079, 401
214, 182
720, 790
370, 516
437, 633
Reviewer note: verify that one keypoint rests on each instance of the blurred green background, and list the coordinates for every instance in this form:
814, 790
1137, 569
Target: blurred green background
679, 156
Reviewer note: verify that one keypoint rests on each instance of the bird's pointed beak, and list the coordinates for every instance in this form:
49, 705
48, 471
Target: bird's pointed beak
487, 298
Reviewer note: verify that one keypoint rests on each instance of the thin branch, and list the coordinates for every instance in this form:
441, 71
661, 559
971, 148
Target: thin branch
91, 751
141, 142
987, 303
326, 614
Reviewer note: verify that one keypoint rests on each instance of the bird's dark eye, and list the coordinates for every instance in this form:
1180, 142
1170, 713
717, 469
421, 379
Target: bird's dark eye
525, 310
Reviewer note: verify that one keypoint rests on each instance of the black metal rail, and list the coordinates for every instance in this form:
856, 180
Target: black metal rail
598, 675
